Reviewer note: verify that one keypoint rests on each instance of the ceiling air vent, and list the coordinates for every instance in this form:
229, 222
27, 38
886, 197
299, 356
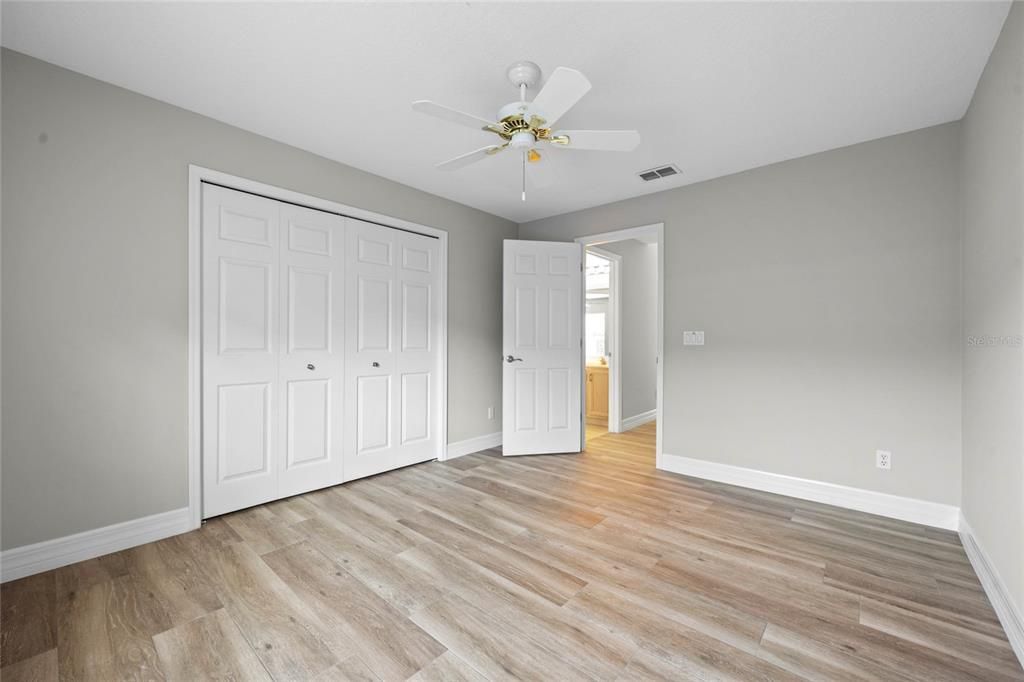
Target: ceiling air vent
656, 173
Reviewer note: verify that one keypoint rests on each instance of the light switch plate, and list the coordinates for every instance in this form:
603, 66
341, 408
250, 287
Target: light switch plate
693, 338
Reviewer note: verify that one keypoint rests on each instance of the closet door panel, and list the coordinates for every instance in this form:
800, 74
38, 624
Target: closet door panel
416, 277
240, 317
245, 305
373, 415
416, 321
392, 360
309, 422
415, 414
373, 316
309, 309
244, 431
312, 339
370, 360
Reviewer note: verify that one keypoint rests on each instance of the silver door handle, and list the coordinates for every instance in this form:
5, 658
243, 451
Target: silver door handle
374, 364
310, 367
509, 358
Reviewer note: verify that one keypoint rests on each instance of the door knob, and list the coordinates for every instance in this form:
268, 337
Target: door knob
310, 367
374, 364
509, 358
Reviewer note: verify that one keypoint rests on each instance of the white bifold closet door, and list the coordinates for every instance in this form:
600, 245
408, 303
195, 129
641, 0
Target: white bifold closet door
273, 349
392, 386
280, 414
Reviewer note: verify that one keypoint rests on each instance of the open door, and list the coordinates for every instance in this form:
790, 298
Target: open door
542, 341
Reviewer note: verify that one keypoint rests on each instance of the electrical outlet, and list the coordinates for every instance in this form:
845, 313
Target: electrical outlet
883, 459
490, 413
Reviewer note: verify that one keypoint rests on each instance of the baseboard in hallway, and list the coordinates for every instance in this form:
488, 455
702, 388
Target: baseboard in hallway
461, 448
630, 423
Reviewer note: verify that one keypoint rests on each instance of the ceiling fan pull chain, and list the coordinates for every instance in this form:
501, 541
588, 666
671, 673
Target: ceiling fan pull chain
524, 174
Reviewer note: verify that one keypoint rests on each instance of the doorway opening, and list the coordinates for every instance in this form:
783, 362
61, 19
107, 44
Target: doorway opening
599, 332
622, 331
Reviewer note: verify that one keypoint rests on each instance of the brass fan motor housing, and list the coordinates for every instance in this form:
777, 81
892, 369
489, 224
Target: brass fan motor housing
517, 123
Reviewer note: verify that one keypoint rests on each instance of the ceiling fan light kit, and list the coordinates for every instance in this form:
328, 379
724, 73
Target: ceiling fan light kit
527, 125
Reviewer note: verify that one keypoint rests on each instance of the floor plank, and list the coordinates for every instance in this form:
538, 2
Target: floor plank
105, 632
448, 668
489, 645
390, 645
170, 572
350, 670
39, 668
375, 569
31, 604
282, 630
547, 581
988, 652
209, 647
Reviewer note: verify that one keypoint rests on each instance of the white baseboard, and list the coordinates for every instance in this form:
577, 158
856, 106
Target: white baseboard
636, 420
893, 506
19, 562
471, 445
1009, 614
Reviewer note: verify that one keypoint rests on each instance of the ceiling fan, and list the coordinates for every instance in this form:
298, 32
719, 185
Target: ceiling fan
528, 126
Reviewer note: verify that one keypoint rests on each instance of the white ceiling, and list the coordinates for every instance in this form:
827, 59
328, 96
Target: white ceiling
714, 87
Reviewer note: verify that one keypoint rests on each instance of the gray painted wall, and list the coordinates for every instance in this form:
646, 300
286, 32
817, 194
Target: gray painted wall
993, 300
639, 282
829, 291
94, 292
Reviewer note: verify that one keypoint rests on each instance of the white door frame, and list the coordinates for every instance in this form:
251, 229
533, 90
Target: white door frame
656, 230
614, 364
198, 175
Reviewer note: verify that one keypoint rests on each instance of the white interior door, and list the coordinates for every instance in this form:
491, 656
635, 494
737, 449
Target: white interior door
273, 348
393, 390
312, 340
241, 308
543, 348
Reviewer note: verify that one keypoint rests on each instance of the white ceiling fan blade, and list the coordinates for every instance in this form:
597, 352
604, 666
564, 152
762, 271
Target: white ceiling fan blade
471, 157
425, 106
598, 140
564, 88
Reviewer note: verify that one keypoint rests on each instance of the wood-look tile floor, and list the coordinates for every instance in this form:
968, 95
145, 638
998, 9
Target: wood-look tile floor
543, 568
595, 431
